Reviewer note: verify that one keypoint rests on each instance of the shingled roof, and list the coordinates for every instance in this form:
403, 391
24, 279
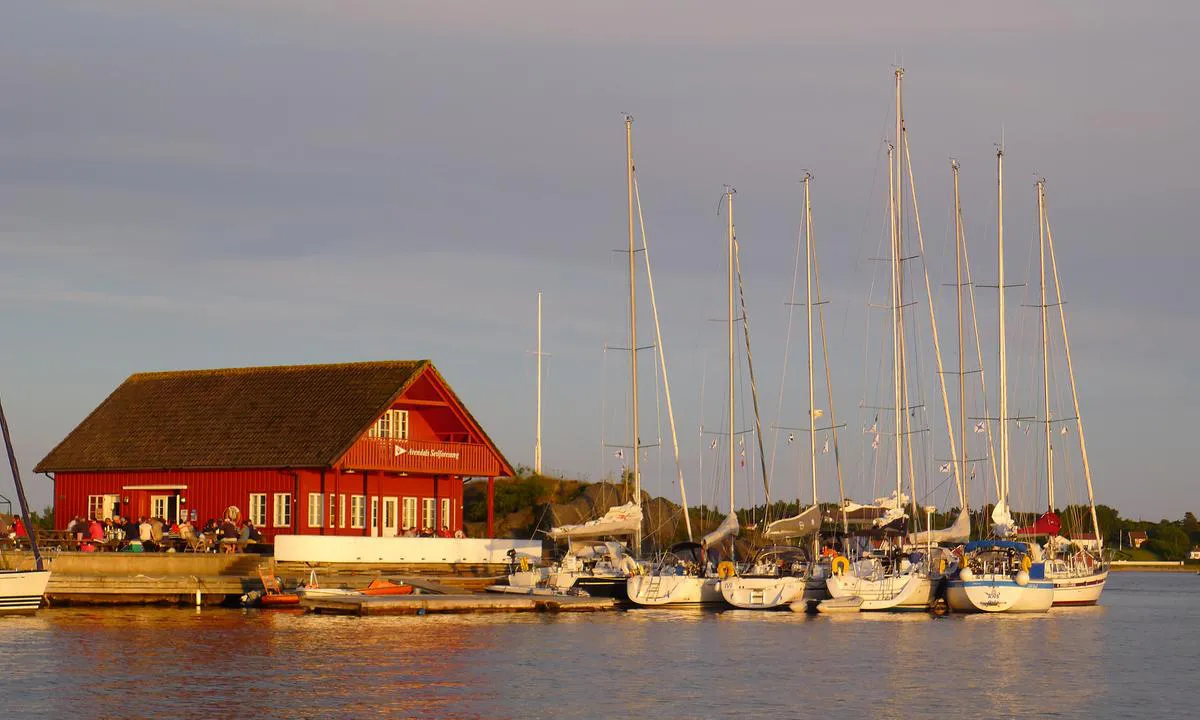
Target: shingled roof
259, 417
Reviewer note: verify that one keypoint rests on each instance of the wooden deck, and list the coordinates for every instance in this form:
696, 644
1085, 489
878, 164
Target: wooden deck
477, 603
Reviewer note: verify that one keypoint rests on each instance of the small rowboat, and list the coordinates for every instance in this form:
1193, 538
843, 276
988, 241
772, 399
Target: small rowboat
377, 587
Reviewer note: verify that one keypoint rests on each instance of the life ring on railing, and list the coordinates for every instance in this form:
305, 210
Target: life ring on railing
1026, 563
840, 565
725, 569
523, 563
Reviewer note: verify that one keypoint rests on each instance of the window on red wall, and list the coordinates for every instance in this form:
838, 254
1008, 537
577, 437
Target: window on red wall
428, 507
316, 510
447, 513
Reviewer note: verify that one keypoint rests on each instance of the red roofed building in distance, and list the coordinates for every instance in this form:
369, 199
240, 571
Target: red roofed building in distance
367, 449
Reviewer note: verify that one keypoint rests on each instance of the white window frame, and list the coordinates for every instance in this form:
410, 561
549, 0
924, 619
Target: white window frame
159, 505
393, 424
447, 516
408, 513
374, 515
257, 510
101, 507
358, 511
342, 510
428, 509
316, 510
333, 508
282, 515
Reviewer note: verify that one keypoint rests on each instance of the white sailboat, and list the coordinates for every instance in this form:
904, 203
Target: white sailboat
1001, 575
594, 563
684, 576
882, 578
21, 591
777, 578
1078, 577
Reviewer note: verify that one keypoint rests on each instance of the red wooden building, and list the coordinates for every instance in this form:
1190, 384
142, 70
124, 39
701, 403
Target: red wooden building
371, 448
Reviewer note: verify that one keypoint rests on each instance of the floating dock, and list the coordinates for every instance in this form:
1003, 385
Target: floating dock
428, 604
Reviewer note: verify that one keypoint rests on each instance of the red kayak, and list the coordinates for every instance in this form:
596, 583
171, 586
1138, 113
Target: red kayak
386, 587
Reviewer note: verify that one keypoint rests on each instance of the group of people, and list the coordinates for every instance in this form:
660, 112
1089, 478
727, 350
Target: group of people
155, 534
428, 532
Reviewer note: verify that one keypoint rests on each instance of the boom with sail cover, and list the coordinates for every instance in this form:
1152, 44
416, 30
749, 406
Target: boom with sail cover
620, 520
798, 526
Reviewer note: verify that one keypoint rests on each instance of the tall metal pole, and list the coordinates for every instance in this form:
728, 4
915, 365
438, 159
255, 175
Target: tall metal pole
1049, 435
896, 391
537, 447
1003, 349
732, 320
812, 397
962, 371
633, 346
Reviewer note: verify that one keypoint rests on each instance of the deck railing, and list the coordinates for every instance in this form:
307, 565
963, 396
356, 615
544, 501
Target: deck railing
424, 456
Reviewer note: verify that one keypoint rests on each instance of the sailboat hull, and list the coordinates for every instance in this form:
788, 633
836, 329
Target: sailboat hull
21, 591
999, 593
910, 591
762, 593
674, 590
1078, 590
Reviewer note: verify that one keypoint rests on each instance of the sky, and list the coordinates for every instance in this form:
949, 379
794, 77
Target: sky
190, 185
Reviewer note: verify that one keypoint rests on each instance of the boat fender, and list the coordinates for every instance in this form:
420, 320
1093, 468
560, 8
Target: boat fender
725, 569
524, 564
840, 565
1021, 578
942, 566
966, 574
1026, 563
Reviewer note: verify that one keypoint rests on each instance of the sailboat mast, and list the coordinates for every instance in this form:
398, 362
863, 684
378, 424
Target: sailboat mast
1041, 197
962, 371
808, 303
633, 346
729, 199
39, 564
1003, 349
537, 446
895, 326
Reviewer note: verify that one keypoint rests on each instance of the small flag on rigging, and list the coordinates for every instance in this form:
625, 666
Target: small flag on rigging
980, 427
945, 467
1064, 430
825, 447
791, 438
875, 443
619, 454
713, 445
818, 412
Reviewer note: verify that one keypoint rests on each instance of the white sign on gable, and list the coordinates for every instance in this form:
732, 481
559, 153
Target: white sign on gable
426, 453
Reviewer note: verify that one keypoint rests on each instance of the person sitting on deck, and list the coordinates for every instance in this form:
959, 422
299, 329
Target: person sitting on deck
409, 532
144, 535
249, 534
18, 528
95, 534
157, 530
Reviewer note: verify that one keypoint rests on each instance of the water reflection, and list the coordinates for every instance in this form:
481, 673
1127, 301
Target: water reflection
1128, 657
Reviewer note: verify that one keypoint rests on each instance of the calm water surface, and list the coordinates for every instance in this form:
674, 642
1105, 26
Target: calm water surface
1136, 655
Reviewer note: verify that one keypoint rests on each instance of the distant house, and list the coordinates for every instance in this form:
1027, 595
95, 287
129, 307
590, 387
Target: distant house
1137, 537
1195, 553
1086, 541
